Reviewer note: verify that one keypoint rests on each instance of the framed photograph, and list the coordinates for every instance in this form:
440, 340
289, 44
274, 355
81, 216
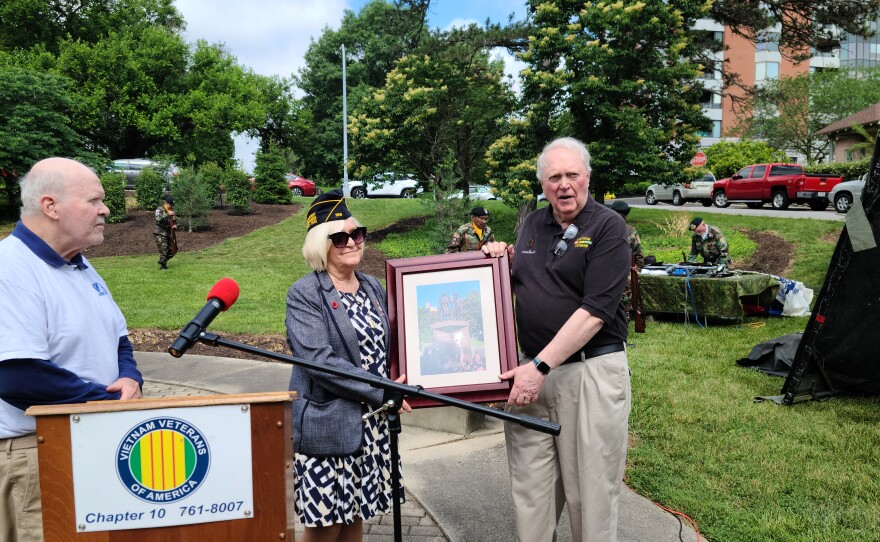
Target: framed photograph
453, 318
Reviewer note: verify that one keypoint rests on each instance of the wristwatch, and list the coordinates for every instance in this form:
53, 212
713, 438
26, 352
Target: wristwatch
542, 367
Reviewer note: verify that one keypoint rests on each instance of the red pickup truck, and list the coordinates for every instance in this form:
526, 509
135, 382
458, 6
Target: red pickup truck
777, 184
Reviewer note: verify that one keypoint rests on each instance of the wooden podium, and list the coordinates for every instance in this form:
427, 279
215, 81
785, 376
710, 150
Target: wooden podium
271, 453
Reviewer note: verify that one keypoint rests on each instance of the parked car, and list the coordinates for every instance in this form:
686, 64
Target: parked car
699, 189
384, 184
844, 194
300, 186
476, 192
132, 168
777, 184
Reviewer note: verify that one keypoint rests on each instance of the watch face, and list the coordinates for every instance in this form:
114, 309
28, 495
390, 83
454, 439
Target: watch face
542, 366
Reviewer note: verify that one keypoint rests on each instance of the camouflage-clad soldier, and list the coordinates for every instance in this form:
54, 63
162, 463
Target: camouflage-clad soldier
164, 232
708, 241
635, 244
474, 234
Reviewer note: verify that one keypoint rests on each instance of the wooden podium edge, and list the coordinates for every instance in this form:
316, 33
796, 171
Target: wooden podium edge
161, 402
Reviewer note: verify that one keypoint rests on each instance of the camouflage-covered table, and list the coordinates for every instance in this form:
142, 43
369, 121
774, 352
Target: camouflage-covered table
707, 296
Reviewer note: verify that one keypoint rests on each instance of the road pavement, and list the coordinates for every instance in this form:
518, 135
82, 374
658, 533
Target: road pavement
697, 209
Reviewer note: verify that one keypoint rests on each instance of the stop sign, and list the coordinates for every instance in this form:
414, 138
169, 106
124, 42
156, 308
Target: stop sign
699, 159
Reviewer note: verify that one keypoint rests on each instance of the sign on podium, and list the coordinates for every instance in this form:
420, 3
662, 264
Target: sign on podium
178, 469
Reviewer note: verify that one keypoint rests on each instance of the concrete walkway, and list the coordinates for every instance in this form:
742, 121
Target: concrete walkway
458, 488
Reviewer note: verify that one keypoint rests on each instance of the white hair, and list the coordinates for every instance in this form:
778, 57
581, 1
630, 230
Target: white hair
38, 182
569, 143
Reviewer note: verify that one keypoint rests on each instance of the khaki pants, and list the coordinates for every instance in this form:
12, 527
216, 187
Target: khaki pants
584, 465
21, 518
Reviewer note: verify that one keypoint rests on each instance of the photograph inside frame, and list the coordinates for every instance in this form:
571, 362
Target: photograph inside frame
447, 315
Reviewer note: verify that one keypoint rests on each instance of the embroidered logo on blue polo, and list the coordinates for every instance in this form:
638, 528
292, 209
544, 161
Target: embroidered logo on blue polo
100, 288
582, 242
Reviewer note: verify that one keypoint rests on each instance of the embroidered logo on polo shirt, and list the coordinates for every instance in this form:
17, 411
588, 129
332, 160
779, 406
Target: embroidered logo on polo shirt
100, 288
582, 242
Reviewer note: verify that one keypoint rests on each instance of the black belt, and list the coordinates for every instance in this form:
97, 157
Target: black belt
595, 351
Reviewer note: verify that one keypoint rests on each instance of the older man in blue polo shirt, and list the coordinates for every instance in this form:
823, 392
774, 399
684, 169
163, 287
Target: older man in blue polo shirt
62, 337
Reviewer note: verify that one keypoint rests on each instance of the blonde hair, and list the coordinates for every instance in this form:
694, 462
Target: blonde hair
317, 243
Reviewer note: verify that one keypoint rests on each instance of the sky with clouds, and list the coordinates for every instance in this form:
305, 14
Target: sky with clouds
272, 36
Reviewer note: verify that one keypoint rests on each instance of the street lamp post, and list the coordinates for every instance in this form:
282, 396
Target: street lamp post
344, 123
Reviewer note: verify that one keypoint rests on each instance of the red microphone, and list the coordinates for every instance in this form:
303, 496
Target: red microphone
222, 296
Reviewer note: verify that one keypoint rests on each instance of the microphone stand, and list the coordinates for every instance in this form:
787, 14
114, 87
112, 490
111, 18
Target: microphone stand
394, 392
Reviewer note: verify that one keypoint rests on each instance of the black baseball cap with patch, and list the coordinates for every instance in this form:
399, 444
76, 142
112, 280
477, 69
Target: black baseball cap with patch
327, 207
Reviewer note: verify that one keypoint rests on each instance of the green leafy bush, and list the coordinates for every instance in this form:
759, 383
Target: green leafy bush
192, 200
848, 170
271, 185
213, 176
149, 188
114, 196
635, 188
726, 158
238, 191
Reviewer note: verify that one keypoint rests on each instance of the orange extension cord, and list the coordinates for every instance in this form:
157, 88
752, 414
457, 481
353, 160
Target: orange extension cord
682, 514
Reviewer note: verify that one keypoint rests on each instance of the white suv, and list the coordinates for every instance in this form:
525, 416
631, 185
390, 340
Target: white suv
699, 189
384, 184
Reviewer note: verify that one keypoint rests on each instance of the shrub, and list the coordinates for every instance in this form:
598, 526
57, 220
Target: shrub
238, 191
192, 199
726, 157
271, 185
848, 170
213, 176
148, 188
114, 196
635, 188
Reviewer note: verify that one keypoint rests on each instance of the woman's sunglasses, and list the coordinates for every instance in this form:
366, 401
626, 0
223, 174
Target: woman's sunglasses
340, 239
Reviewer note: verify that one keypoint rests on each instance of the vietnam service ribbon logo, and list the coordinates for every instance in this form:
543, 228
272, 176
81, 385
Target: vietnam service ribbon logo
162, 460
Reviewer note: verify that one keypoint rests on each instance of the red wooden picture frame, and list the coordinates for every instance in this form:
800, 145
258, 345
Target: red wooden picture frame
487, 280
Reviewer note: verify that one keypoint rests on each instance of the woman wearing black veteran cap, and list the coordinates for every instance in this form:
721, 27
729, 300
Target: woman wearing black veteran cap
338, 316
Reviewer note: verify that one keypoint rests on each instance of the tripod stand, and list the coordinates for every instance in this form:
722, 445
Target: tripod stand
394, 393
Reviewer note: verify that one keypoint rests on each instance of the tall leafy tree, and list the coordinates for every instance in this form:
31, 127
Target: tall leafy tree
48, 23
375, 39
287, 119
35, 123
802, 24
219, 98
36, 118
618, 76
145, 92
789, 112
435, 106
127, 88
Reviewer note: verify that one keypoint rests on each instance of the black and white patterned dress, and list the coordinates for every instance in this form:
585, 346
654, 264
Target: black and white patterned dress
341, 489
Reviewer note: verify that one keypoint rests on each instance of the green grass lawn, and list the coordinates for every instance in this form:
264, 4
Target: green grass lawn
744, 471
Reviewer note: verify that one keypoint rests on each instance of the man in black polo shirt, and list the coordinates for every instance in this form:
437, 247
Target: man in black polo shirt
570, 265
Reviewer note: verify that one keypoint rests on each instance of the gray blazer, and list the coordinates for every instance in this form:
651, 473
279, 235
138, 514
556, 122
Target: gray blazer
327, 416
